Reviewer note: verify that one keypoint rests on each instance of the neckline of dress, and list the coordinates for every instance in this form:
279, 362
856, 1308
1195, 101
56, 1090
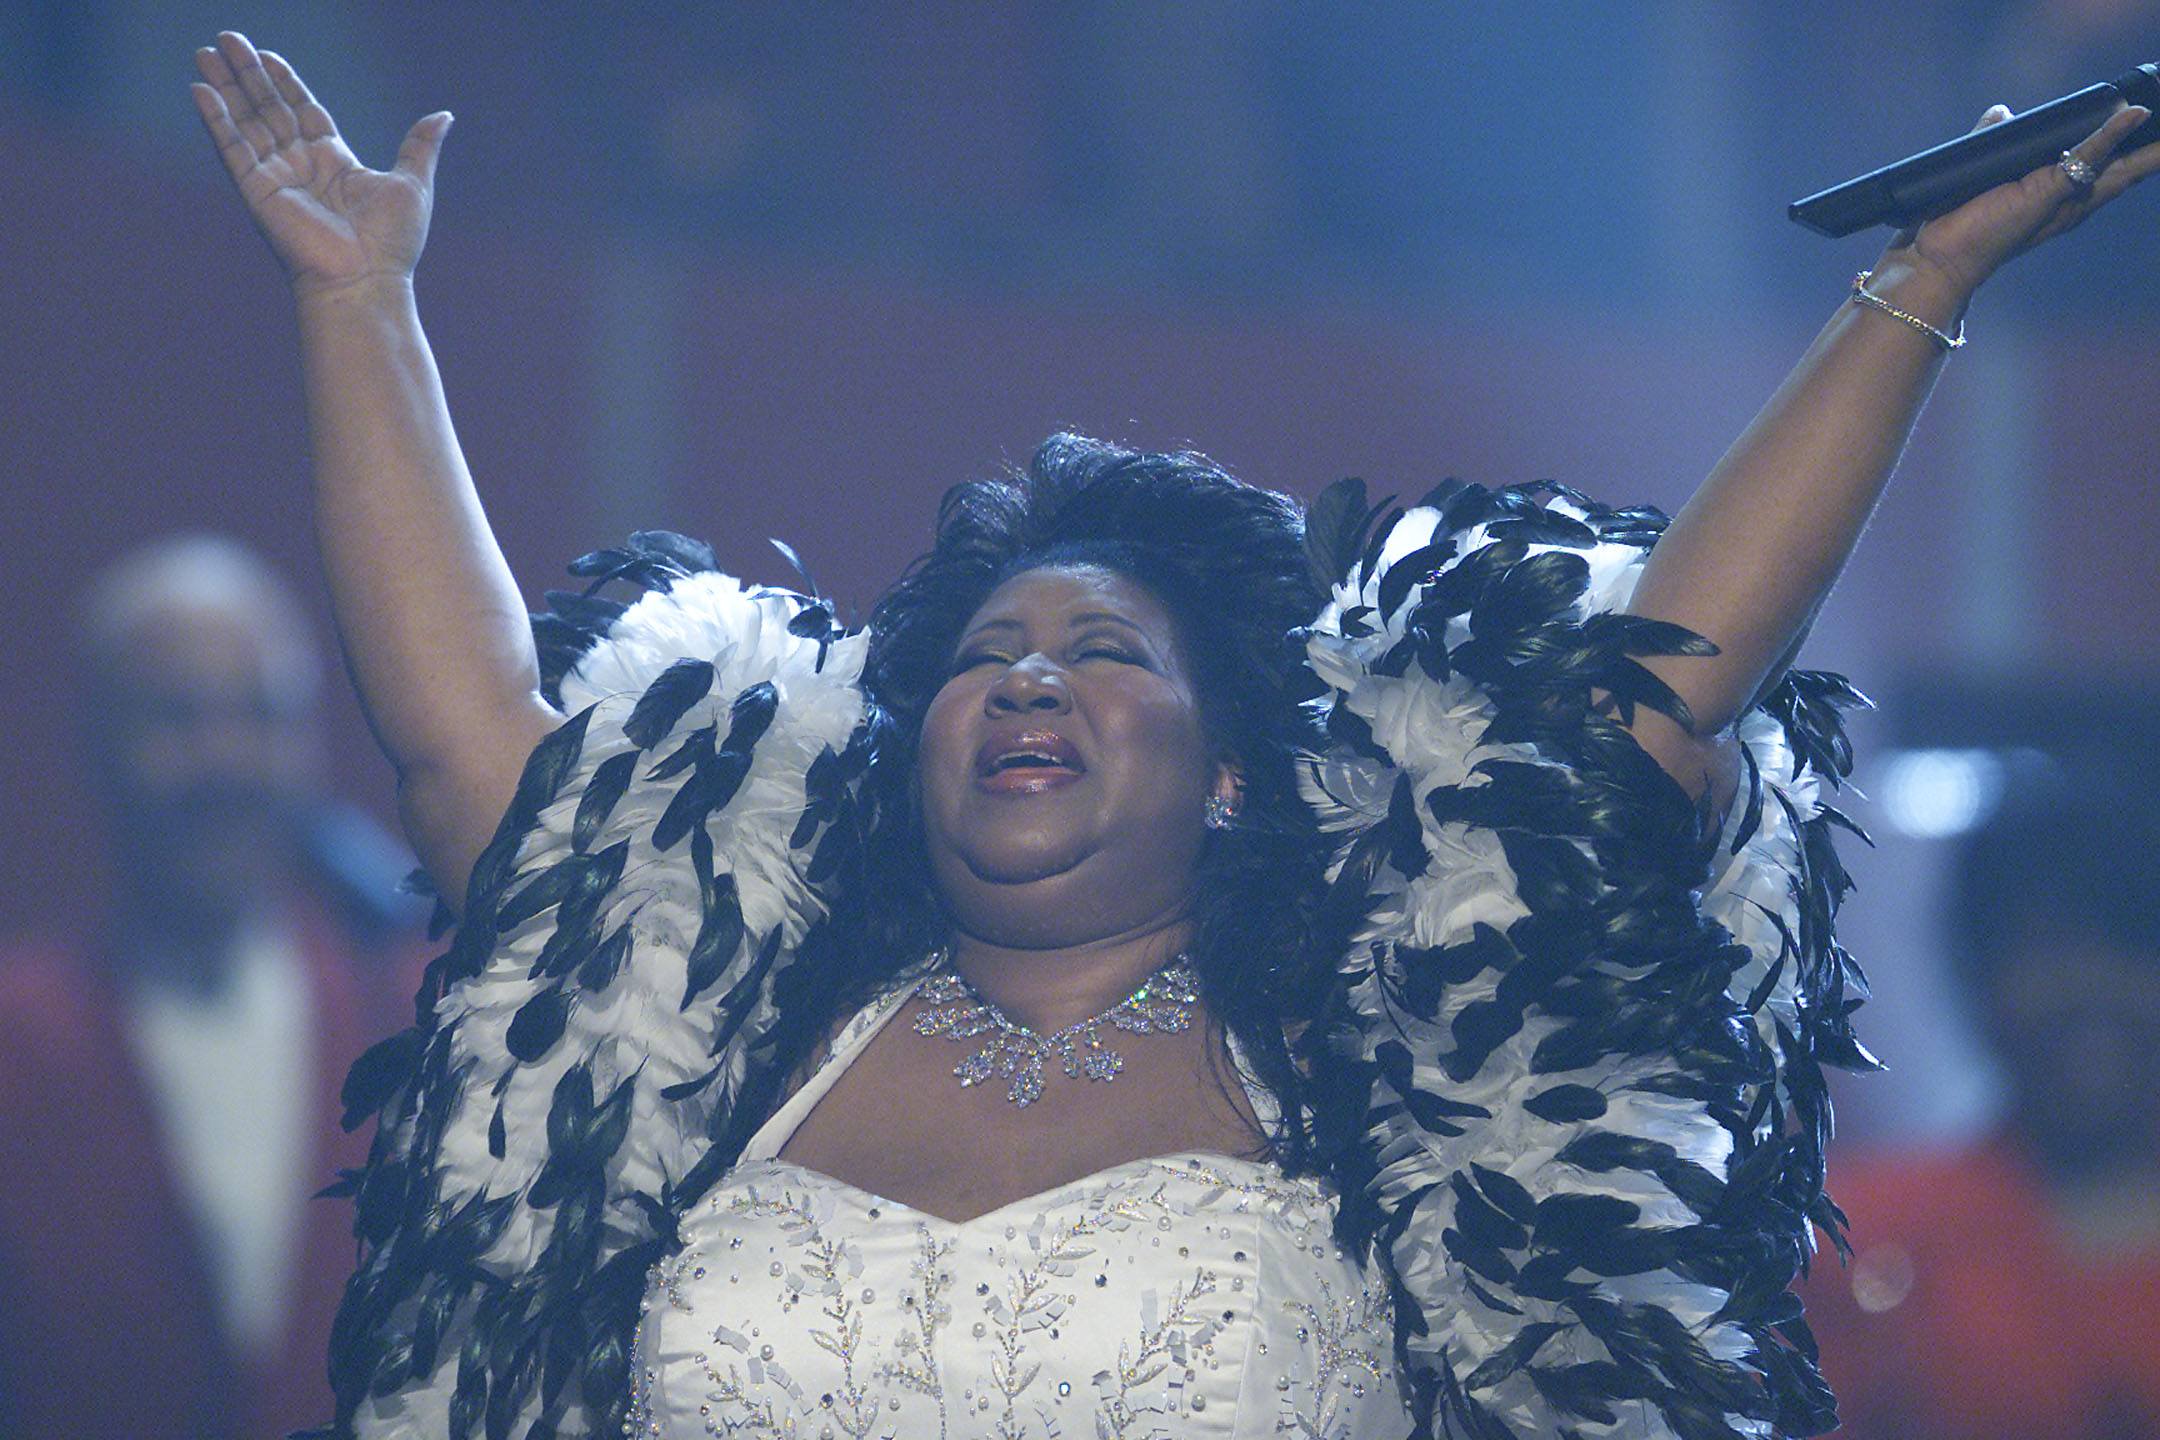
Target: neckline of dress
765, 1145
1192, 1164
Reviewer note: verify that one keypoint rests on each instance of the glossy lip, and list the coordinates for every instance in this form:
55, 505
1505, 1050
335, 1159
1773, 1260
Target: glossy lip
1067, 765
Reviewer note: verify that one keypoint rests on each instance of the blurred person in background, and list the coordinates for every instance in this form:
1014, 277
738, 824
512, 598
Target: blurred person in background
2011, 1288
169, 1069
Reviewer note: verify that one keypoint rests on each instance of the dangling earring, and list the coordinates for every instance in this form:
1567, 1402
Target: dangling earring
1220, 812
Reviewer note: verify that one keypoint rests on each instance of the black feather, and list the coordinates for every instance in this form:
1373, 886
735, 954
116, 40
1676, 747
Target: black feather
538, 1024
383, 1069
610, 778
1335, 525
666, 700
1566, 1104
719, 937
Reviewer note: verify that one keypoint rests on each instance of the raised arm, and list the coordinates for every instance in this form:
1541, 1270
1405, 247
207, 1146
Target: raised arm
432, 623
1751, 555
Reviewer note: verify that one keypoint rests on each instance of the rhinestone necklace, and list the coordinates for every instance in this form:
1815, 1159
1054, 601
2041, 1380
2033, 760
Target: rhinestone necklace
954, 1008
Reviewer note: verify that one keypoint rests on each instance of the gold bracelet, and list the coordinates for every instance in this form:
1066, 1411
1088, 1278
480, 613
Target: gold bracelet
1860, 293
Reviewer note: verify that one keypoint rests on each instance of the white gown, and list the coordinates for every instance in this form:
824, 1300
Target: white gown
1187, 1295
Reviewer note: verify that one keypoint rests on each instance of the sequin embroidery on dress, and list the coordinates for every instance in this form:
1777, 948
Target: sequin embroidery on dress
1186, 1295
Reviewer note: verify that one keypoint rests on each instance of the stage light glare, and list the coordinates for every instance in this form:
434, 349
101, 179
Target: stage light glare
1934, 794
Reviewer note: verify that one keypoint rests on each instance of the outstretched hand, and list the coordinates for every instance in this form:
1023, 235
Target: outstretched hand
1970, 243
332, 221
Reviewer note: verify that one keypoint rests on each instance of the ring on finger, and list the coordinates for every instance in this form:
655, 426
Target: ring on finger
2081, 172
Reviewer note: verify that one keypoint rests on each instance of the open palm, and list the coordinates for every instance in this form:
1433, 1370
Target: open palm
331, 220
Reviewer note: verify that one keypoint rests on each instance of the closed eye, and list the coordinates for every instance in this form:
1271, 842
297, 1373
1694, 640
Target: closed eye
1099, 644
974, 658
1086, 650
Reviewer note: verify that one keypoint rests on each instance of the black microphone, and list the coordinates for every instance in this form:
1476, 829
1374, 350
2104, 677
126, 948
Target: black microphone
1925, 185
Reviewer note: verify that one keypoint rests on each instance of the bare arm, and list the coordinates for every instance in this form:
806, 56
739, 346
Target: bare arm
432, 623
1749, 558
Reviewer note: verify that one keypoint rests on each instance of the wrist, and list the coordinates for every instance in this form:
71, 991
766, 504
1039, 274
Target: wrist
1916, 283
377, 289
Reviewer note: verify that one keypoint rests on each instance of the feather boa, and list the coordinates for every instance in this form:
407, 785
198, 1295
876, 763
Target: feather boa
1592, 1112
1595, 1118
578, 1047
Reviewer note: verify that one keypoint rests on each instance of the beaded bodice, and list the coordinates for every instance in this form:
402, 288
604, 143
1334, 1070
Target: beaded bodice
1187, 1295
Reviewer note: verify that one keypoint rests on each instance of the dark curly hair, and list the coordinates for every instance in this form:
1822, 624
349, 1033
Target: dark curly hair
1227, 561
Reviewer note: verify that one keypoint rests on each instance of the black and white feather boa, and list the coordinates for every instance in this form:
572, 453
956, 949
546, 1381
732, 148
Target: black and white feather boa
1589, 1041
1584, 1028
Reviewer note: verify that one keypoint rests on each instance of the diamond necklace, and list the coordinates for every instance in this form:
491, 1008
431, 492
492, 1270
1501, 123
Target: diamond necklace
953, 1007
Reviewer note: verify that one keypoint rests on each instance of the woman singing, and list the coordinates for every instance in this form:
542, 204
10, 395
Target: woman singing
1187, 967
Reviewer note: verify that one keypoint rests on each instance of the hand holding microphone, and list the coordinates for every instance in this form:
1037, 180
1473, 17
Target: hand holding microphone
1965, 208
1940, 179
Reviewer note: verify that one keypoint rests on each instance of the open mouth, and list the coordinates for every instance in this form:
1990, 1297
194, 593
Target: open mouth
1028, 761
